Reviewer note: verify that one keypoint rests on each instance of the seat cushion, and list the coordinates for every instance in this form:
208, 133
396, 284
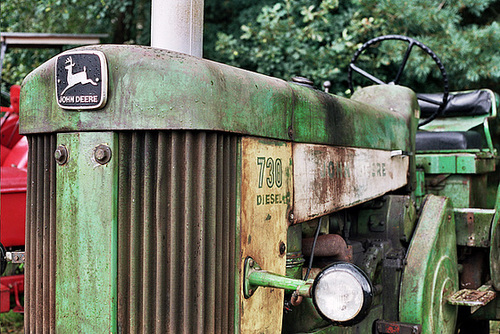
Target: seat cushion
435, 141
460, 104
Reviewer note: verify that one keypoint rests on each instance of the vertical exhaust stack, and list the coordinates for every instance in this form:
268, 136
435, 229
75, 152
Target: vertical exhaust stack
177, 25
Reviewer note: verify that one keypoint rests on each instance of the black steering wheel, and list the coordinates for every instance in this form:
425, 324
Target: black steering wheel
412, 42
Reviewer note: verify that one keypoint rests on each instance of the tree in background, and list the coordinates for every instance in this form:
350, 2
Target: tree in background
125, 21
285, 38
317, 39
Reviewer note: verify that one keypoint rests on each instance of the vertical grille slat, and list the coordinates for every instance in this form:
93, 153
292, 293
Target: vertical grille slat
40, 236
172, 195
176, 232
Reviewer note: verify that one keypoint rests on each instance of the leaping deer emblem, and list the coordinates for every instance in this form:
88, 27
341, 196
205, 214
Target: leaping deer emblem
76, 78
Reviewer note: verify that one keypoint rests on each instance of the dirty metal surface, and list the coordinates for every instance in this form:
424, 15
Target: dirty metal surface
266, 201
393, 327
178, 247
473, 226
461, 163
40, 271
159, 89
331, 178
465, 191
328, 245
468, 297
473, 268
86, 297
495, 245
431, 272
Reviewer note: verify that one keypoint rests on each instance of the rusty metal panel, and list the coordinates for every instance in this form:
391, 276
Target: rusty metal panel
39, 297
329, 178
177, 239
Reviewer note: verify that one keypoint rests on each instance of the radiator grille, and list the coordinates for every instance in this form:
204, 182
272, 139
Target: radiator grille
176, 232
39, 297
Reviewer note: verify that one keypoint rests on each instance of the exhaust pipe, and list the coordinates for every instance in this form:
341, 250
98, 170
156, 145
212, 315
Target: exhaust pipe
177, 25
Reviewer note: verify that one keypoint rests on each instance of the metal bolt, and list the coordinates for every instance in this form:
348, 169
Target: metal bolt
102, 154
282, 248
327, 85
291, 217
61, 154
250, 262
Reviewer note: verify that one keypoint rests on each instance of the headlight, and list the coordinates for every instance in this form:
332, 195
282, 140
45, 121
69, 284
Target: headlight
342, 293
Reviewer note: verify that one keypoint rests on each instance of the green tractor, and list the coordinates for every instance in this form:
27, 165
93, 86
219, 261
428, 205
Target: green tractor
172, 194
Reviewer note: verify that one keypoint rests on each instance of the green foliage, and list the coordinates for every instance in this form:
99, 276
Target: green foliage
125, 21
11, 323
317, 39
285, 38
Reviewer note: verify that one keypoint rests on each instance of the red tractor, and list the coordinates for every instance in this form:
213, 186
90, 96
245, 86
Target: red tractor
14, 160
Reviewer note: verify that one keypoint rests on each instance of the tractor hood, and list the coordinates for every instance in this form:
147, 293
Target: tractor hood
154, 89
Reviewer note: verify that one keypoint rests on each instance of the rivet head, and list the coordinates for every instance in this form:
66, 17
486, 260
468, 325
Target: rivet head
61, 154
102, 154
282, 248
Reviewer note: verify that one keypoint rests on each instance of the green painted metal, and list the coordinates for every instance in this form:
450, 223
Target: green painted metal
160, 89
473, 227
431, 274
460, 163
86, 242
294, 259
465, 191
256, 277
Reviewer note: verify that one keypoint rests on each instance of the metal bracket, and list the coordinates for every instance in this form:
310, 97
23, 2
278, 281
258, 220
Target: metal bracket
15, 257
473, 298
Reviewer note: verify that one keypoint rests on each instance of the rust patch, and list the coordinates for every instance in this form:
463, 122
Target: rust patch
329, 178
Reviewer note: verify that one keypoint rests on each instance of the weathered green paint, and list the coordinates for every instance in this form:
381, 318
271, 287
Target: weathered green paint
160, 89
431, 274
495, 246
256, 277
267, 279
473, 227
294, 259
460, 163
465, 191
86, 242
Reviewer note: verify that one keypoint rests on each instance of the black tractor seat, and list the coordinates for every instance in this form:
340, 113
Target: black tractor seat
474, 103
463, 105
453, 140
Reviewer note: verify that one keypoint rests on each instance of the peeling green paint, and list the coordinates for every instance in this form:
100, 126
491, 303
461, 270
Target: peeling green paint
86, 242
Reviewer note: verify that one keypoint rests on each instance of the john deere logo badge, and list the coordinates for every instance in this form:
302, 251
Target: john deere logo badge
81, 80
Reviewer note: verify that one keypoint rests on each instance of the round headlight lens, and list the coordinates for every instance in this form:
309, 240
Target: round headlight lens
342, 293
